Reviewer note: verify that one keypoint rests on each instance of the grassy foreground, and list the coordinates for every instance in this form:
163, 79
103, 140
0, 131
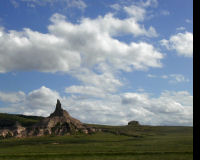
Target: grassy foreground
115, 143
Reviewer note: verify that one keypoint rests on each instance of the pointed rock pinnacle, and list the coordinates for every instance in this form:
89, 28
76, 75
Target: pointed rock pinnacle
58, 111
58, 105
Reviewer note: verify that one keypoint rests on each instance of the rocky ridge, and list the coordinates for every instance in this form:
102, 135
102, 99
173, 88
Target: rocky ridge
58, 123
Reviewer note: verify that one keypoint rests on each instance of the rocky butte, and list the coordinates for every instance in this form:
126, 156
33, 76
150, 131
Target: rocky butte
58, 123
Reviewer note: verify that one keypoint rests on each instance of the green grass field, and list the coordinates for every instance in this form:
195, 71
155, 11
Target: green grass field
115, 143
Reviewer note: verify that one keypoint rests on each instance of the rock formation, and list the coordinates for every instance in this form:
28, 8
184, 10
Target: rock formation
58, 123
133, 123
15, 131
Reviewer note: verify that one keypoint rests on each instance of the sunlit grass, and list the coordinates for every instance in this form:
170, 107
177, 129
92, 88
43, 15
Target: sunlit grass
117, 143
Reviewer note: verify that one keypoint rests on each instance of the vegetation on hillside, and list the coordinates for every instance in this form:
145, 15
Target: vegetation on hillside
8, 120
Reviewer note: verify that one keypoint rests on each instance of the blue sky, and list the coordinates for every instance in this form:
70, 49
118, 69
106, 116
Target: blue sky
108, 61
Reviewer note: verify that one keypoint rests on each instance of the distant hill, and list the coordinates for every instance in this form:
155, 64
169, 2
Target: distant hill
139, 131
9, 120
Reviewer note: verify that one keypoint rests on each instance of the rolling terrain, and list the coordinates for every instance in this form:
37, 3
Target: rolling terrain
113, 143
61, 137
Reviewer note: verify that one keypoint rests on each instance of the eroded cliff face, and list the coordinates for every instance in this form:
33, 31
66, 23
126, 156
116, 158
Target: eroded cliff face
15, 131
58, 123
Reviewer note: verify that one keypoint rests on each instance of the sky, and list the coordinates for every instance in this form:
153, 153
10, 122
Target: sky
108, 61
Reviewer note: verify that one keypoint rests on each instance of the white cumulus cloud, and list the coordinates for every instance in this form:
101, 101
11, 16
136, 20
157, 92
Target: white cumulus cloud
12, 97
39, 102
181, 42
69, 46
170, 108
30, 50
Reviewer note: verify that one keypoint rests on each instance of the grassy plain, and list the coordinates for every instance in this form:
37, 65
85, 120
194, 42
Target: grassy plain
115, 143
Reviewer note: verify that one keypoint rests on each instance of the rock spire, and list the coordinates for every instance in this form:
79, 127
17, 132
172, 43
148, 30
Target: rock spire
58, 111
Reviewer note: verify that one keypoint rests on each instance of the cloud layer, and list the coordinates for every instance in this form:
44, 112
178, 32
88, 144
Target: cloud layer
88, 51
69, 46
170, 108
172, 78
63, 3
